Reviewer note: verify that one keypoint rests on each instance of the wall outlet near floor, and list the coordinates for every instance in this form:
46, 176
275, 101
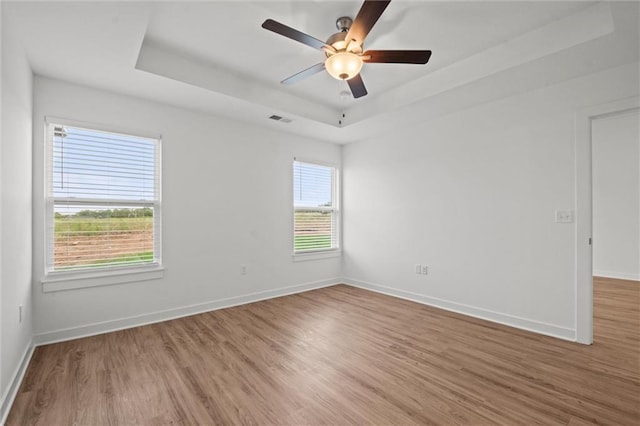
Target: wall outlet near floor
425, 269
19, 314
243, 269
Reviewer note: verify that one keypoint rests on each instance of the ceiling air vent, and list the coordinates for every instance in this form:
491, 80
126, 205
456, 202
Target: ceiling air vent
279, 118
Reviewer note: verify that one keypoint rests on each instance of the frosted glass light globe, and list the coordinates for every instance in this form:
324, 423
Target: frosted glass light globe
343, 65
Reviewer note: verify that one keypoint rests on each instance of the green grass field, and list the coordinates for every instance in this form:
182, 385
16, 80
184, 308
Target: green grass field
89, 242
312, 230
311, 242
74, 226
146, 256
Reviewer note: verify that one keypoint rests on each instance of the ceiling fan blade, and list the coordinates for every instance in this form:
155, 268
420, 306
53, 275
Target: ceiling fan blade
365, 20
357, 86
296, 35
397, 56
304, 74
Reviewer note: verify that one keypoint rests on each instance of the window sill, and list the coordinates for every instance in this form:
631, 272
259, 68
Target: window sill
316, 255
60, 281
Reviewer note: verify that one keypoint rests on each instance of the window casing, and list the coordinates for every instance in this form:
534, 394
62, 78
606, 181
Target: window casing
103, 207
315, 208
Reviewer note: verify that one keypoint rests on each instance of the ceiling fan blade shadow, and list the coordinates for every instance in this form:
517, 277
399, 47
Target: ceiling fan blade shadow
357, 86
294, 34
304, 74
397, 56
365, 20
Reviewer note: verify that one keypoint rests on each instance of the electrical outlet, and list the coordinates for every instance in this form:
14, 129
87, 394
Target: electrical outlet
20, 314
564, 216
243, 270
421, 269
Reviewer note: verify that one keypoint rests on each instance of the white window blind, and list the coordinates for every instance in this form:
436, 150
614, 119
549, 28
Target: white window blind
315, 225
103, 199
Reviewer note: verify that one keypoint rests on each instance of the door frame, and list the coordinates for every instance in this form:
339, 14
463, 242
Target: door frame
584, 211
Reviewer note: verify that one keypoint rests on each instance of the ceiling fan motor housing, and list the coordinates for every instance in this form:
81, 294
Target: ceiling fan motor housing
338, 42
343, 23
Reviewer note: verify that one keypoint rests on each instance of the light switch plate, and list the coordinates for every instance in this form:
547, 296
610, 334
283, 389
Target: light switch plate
564, 216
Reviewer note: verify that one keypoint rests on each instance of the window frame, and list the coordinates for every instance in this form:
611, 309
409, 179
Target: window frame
97, 276
335, 210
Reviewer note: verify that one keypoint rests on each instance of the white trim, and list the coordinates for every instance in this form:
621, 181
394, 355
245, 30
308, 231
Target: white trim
552, 330
9, 395
314, 162
48, 119
315, 209
617, 275
104, 201
583, 209
154, 317
316, 255
59, 281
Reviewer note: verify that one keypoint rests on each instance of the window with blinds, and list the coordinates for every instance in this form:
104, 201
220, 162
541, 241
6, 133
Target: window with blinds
103, 199
315, 224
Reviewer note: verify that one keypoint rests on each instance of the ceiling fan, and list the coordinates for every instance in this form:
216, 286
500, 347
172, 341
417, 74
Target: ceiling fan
344, 49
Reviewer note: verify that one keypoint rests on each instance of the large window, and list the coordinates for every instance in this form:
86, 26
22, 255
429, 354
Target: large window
315, 226
103, 200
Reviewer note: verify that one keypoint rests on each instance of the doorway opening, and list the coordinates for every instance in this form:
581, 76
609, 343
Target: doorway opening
584, 207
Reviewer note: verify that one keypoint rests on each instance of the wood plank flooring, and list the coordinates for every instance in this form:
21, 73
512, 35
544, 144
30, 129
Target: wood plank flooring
341, 355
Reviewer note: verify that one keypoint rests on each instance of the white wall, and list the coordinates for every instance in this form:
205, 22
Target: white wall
2, 386
616, 196
473, 195
15, 216
226, 201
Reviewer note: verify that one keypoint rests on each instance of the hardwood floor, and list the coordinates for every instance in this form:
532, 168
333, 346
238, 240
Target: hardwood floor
341, 355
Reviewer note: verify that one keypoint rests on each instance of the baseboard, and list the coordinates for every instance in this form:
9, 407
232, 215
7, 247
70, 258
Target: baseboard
509, 320
169, 314
12, 390
616, 275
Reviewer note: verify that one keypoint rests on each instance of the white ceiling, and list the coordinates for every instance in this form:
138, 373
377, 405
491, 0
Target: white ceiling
214, 56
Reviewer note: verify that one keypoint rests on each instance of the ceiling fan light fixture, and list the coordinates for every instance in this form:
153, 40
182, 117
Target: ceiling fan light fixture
343, 65
344, 50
